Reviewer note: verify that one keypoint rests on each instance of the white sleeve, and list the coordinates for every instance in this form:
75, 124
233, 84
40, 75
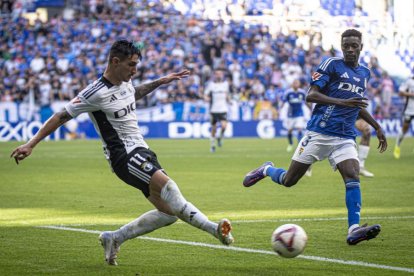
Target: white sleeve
404, 86
81, 104
227, 88
207, 91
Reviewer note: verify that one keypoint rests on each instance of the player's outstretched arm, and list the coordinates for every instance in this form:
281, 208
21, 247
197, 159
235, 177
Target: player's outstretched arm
48, 127
364, 114
316, 96
144, 89
405, 94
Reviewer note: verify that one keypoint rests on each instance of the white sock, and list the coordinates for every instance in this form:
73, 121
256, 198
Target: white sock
400, 137
352, 227
212, 141
265, 170
362, 155
146, 223
185, 210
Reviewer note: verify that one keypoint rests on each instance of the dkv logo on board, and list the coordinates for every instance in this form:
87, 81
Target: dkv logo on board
194, 130
265, 129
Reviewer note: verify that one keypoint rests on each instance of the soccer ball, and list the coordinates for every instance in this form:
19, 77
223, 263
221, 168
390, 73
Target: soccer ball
289, 240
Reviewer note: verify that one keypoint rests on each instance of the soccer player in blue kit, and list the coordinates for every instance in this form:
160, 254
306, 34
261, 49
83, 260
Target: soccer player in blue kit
294, 97
337, 88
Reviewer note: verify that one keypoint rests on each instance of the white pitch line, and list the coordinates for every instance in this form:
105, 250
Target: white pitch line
319, 219
248, 250
275, 220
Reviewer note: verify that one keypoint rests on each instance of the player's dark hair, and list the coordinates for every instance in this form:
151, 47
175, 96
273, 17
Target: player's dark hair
351, 32
123, 49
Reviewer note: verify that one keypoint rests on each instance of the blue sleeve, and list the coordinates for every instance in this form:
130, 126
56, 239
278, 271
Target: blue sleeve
322, 76
304, 94
285, 96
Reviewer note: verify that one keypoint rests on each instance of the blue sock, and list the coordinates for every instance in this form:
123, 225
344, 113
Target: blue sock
353, 201
289, 136
277, 174
300, 135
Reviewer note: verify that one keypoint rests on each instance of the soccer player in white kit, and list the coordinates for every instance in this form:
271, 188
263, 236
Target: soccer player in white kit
217, 93
407, 91
110, 103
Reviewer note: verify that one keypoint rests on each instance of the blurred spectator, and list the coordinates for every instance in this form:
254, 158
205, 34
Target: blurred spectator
387, 90
37, 64
52, 60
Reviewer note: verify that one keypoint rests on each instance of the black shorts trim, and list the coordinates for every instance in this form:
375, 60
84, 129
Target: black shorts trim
408, 118
137, 169
217, 117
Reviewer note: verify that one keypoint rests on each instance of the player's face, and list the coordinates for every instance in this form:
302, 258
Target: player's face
218, 75
351, 48
128, 68
296, 84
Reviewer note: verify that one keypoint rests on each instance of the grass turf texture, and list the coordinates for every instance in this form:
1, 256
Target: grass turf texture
70, 184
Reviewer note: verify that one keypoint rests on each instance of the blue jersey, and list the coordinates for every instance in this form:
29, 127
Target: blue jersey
338, 80
295, 99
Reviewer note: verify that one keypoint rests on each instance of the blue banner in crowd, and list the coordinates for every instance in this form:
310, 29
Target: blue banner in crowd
178, 121
265, 129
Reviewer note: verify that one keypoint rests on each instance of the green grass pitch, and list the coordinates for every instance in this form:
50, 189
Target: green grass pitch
69, 184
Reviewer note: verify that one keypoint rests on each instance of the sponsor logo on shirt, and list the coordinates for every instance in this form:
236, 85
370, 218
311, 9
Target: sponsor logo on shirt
346, 86
124, 111
316, 76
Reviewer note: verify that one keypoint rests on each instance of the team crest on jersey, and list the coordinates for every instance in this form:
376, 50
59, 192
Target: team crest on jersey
322, 124
147, 166
316, 76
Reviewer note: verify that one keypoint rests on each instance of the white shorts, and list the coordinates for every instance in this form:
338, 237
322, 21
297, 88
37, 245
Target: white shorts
295, 123
317, 147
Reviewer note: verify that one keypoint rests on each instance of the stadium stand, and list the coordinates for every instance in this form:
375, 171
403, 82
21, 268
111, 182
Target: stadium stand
46, 61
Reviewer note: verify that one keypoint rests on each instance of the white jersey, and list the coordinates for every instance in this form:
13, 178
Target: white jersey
408, 86
112, 111
218, 93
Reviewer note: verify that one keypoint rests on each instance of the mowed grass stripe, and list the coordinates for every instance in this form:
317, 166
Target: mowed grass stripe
276, 220
246, 250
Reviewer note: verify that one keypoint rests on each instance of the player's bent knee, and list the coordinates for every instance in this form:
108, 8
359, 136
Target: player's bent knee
171, 194
168, 218
289, 182
367, 133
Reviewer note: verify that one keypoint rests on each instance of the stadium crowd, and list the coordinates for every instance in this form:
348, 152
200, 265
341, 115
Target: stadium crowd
51, 61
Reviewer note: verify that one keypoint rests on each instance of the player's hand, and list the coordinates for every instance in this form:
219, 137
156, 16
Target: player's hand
382, 146
360, 102
21, 153
176, 76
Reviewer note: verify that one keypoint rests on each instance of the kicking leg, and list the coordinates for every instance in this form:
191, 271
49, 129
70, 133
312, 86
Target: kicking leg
164, 189
279, 175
